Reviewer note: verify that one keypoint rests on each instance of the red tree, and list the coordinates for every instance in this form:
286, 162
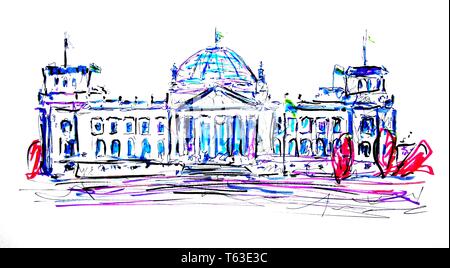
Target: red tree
343, 157
34, 159
385, 151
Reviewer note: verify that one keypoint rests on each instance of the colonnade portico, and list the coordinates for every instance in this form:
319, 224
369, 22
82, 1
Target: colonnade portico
218, 136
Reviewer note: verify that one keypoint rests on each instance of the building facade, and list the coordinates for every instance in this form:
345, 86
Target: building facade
217, 112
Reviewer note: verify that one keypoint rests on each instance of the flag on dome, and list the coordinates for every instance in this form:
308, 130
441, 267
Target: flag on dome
218, 36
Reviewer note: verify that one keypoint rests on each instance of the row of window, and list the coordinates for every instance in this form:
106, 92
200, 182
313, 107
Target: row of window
355, 85
322, 147
128, 127
304, 147
304, 125
114, 149
65, 82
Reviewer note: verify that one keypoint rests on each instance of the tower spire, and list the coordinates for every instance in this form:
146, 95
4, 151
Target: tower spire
174, 72
261, 75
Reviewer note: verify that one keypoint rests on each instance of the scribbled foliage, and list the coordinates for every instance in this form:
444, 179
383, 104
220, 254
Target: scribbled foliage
398, 160
414, 161
34, 159
384, 151
343, 157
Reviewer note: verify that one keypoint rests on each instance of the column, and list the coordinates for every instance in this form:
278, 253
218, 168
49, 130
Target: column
181, 134
251, 136
197, 132
212, 136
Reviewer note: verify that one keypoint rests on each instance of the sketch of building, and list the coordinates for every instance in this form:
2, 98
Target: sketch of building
218, 131
217, 115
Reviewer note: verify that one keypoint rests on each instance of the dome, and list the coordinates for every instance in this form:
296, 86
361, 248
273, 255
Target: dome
215, 66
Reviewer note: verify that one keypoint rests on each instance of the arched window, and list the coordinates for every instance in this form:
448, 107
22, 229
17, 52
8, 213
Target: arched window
336, 144
320, 146
66, 126
146, 149
277, 147
293, 148
305, 147
161, 150
130, 146
115, 148
100, 148
69, 148
364, 148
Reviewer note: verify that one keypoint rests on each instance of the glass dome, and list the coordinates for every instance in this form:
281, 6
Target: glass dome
214, 66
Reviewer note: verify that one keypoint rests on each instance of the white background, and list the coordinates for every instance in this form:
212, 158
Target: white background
136, 43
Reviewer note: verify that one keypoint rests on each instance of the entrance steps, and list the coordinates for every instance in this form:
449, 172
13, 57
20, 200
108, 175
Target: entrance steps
215, 169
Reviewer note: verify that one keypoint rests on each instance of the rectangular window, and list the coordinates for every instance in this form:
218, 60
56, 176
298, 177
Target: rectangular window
113, 127
160, 127
321, 125
96, 126
337, 125
280, 125
292, 125
305, 125
144, 126
368, 126
113, 122
129, 125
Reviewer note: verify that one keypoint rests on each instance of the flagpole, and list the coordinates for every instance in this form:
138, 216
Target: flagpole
66, 44
334, 70
284, 143
365, 48
215, 35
